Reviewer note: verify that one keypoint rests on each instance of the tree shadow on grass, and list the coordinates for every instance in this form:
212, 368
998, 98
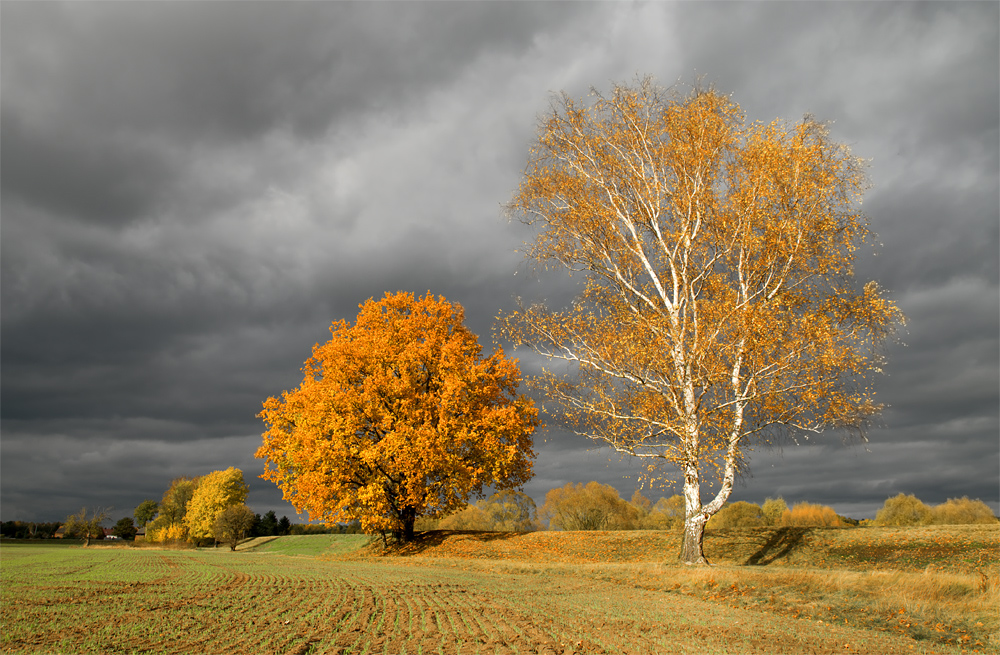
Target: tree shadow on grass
782, 542
433, 538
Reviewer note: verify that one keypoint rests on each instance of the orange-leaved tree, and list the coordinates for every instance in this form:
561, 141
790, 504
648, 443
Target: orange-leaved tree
398, 416
720, 303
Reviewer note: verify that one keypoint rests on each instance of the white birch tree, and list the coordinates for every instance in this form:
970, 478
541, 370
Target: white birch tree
720, 304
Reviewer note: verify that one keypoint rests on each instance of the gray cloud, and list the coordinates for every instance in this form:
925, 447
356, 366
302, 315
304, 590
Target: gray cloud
225, 72
71, 174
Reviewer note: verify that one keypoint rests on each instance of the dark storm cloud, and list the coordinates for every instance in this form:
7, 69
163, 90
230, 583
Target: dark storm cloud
951, 327
73, 175
146, 277
99, 97
93, 469
192, 192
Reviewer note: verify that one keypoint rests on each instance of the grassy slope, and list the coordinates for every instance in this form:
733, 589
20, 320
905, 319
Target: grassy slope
952, 548
938, 584
307, 545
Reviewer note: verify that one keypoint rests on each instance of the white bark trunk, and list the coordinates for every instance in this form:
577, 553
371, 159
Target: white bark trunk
694, 518
694, 534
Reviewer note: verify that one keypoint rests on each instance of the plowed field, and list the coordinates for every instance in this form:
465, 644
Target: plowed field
322, 594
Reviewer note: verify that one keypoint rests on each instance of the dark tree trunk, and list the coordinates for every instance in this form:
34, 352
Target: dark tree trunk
409, 518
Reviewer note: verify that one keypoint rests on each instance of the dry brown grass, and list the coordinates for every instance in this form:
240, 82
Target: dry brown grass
936, 584
961, 609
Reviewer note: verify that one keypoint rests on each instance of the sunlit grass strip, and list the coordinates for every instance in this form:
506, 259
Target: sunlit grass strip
944, 608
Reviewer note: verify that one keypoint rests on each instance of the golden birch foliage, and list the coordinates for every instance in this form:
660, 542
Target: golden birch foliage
174, 532
398, 416
169, 523
213, 494
166, 532
720, 304
152, 534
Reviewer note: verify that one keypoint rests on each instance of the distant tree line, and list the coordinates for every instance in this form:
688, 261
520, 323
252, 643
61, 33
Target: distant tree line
351, 527
28, 530
207, 510
590, 506
270, 525
595, 506
504, 511
902, 509
201, 511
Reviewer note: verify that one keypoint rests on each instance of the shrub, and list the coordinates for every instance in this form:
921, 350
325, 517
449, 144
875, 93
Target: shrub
903, 510
807, 514
470, 518
593, 506
642, 504
125, 529
773, 509
666, 514
740, 514
504, 511
510, 511
166, 533
961, 511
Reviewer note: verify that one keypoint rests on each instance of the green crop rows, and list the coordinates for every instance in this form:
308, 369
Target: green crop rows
306, 596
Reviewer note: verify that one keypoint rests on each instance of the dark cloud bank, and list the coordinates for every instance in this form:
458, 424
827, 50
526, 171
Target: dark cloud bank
192, 192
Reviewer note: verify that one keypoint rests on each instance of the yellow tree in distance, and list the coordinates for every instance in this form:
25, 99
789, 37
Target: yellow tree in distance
398, 416
720, 304
213, 493
169, 524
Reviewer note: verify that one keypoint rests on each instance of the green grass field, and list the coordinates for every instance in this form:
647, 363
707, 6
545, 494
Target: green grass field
866, 590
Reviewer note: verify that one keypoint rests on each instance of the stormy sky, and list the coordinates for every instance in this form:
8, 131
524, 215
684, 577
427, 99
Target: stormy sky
193, 192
